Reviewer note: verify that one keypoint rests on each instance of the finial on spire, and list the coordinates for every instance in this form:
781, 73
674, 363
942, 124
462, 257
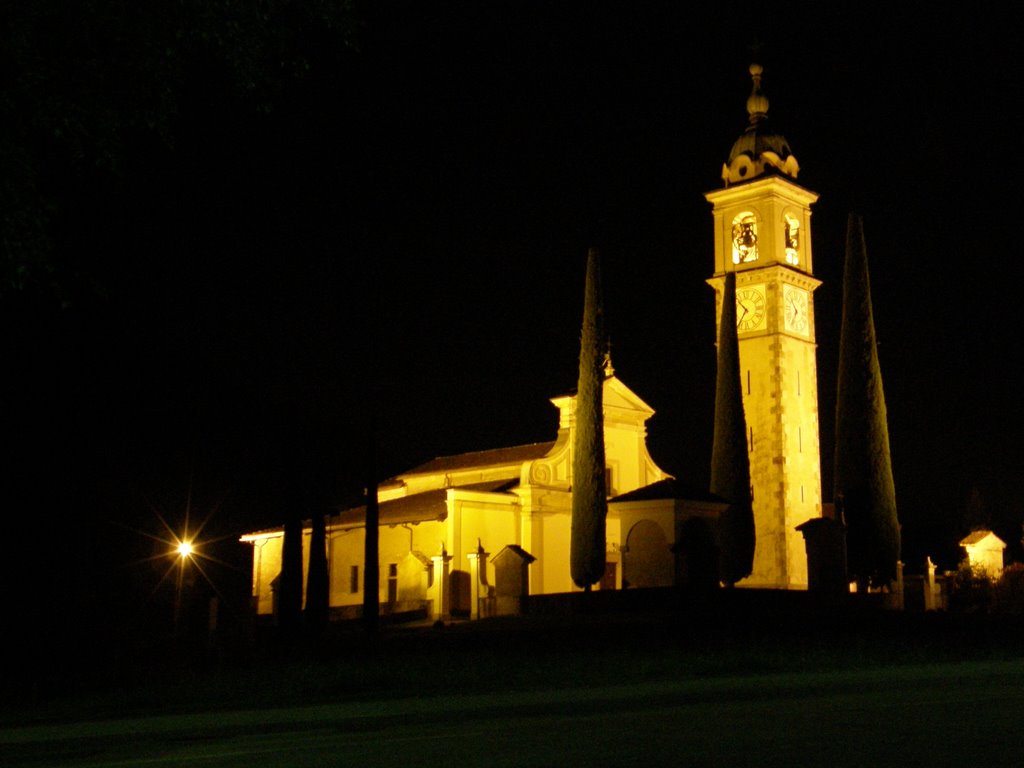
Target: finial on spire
606, 364
757, 102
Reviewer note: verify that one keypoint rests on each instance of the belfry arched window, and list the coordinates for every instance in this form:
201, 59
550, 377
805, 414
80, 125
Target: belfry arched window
792, 240
744, 238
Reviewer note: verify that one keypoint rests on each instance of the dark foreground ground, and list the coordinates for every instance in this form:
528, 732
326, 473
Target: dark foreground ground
946, 714
637, 680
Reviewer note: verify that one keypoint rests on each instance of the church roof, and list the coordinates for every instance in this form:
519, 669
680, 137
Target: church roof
976, 537
418, 508
479, 459
758, 139
669, 488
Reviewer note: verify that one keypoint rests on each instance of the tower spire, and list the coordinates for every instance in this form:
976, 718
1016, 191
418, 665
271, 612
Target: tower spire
760, 150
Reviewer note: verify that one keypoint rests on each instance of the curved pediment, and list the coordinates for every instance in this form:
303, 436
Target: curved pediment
625, 438
620, 404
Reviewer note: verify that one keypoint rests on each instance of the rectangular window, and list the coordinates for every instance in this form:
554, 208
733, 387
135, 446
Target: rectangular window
750, 439
800, 439
609, 486
353, 579
801, 493
748, 382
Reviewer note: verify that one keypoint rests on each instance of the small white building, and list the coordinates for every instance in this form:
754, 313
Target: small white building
985, 551
460, 506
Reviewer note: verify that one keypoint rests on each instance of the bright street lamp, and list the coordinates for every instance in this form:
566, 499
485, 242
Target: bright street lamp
184, 550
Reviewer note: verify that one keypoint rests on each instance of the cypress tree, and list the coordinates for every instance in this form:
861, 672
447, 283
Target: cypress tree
317, 581
589, 502
371, 551
864, 490
730, 462
369, 385
976, 515
289, 584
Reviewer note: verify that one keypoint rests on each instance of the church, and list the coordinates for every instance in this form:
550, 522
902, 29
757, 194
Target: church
454, 528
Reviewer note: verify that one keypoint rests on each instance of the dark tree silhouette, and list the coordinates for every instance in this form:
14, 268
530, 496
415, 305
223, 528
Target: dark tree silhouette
289, 583
730, 461
864, 490
589, 500
371, 553
698, 550
976, 513
118, 77
317, 577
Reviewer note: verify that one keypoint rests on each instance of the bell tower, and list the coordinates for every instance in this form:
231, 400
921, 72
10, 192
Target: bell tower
762, 221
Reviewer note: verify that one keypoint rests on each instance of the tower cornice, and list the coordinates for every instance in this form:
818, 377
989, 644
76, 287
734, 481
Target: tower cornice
762, 187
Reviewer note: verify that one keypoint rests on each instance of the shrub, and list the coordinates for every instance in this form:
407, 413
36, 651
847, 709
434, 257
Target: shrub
971, 590
1008, 592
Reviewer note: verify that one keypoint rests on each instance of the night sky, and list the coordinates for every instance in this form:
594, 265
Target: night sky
401, 231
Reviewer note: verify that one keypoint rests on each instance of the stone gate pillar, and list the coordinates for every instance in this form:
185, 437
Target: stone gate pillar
511, 579
479, 589
929, 585
825, 542
441, 591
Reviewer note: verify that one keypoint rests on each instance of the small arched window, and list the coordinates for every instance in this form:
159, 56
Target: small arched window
744, 238
792, 240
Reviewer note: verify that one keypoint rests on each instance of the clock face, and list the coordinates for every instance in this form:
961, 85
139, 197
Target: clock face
750, 308
795, 309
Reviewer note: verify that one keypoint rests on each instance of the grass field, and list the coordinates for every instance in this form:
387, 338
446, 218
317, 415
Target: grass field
741, 679
649, 639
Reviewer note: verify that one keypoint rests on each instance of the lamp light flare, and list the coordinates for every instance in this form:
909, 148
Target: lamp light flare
185, 548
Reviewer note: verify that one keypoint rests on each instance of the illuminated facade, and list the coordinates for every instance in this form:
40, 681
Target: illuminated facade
445, 513
762, 224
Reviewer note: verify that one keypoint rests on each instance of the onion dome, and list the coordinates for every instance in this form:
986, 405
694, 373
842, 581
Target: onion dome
759, 150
